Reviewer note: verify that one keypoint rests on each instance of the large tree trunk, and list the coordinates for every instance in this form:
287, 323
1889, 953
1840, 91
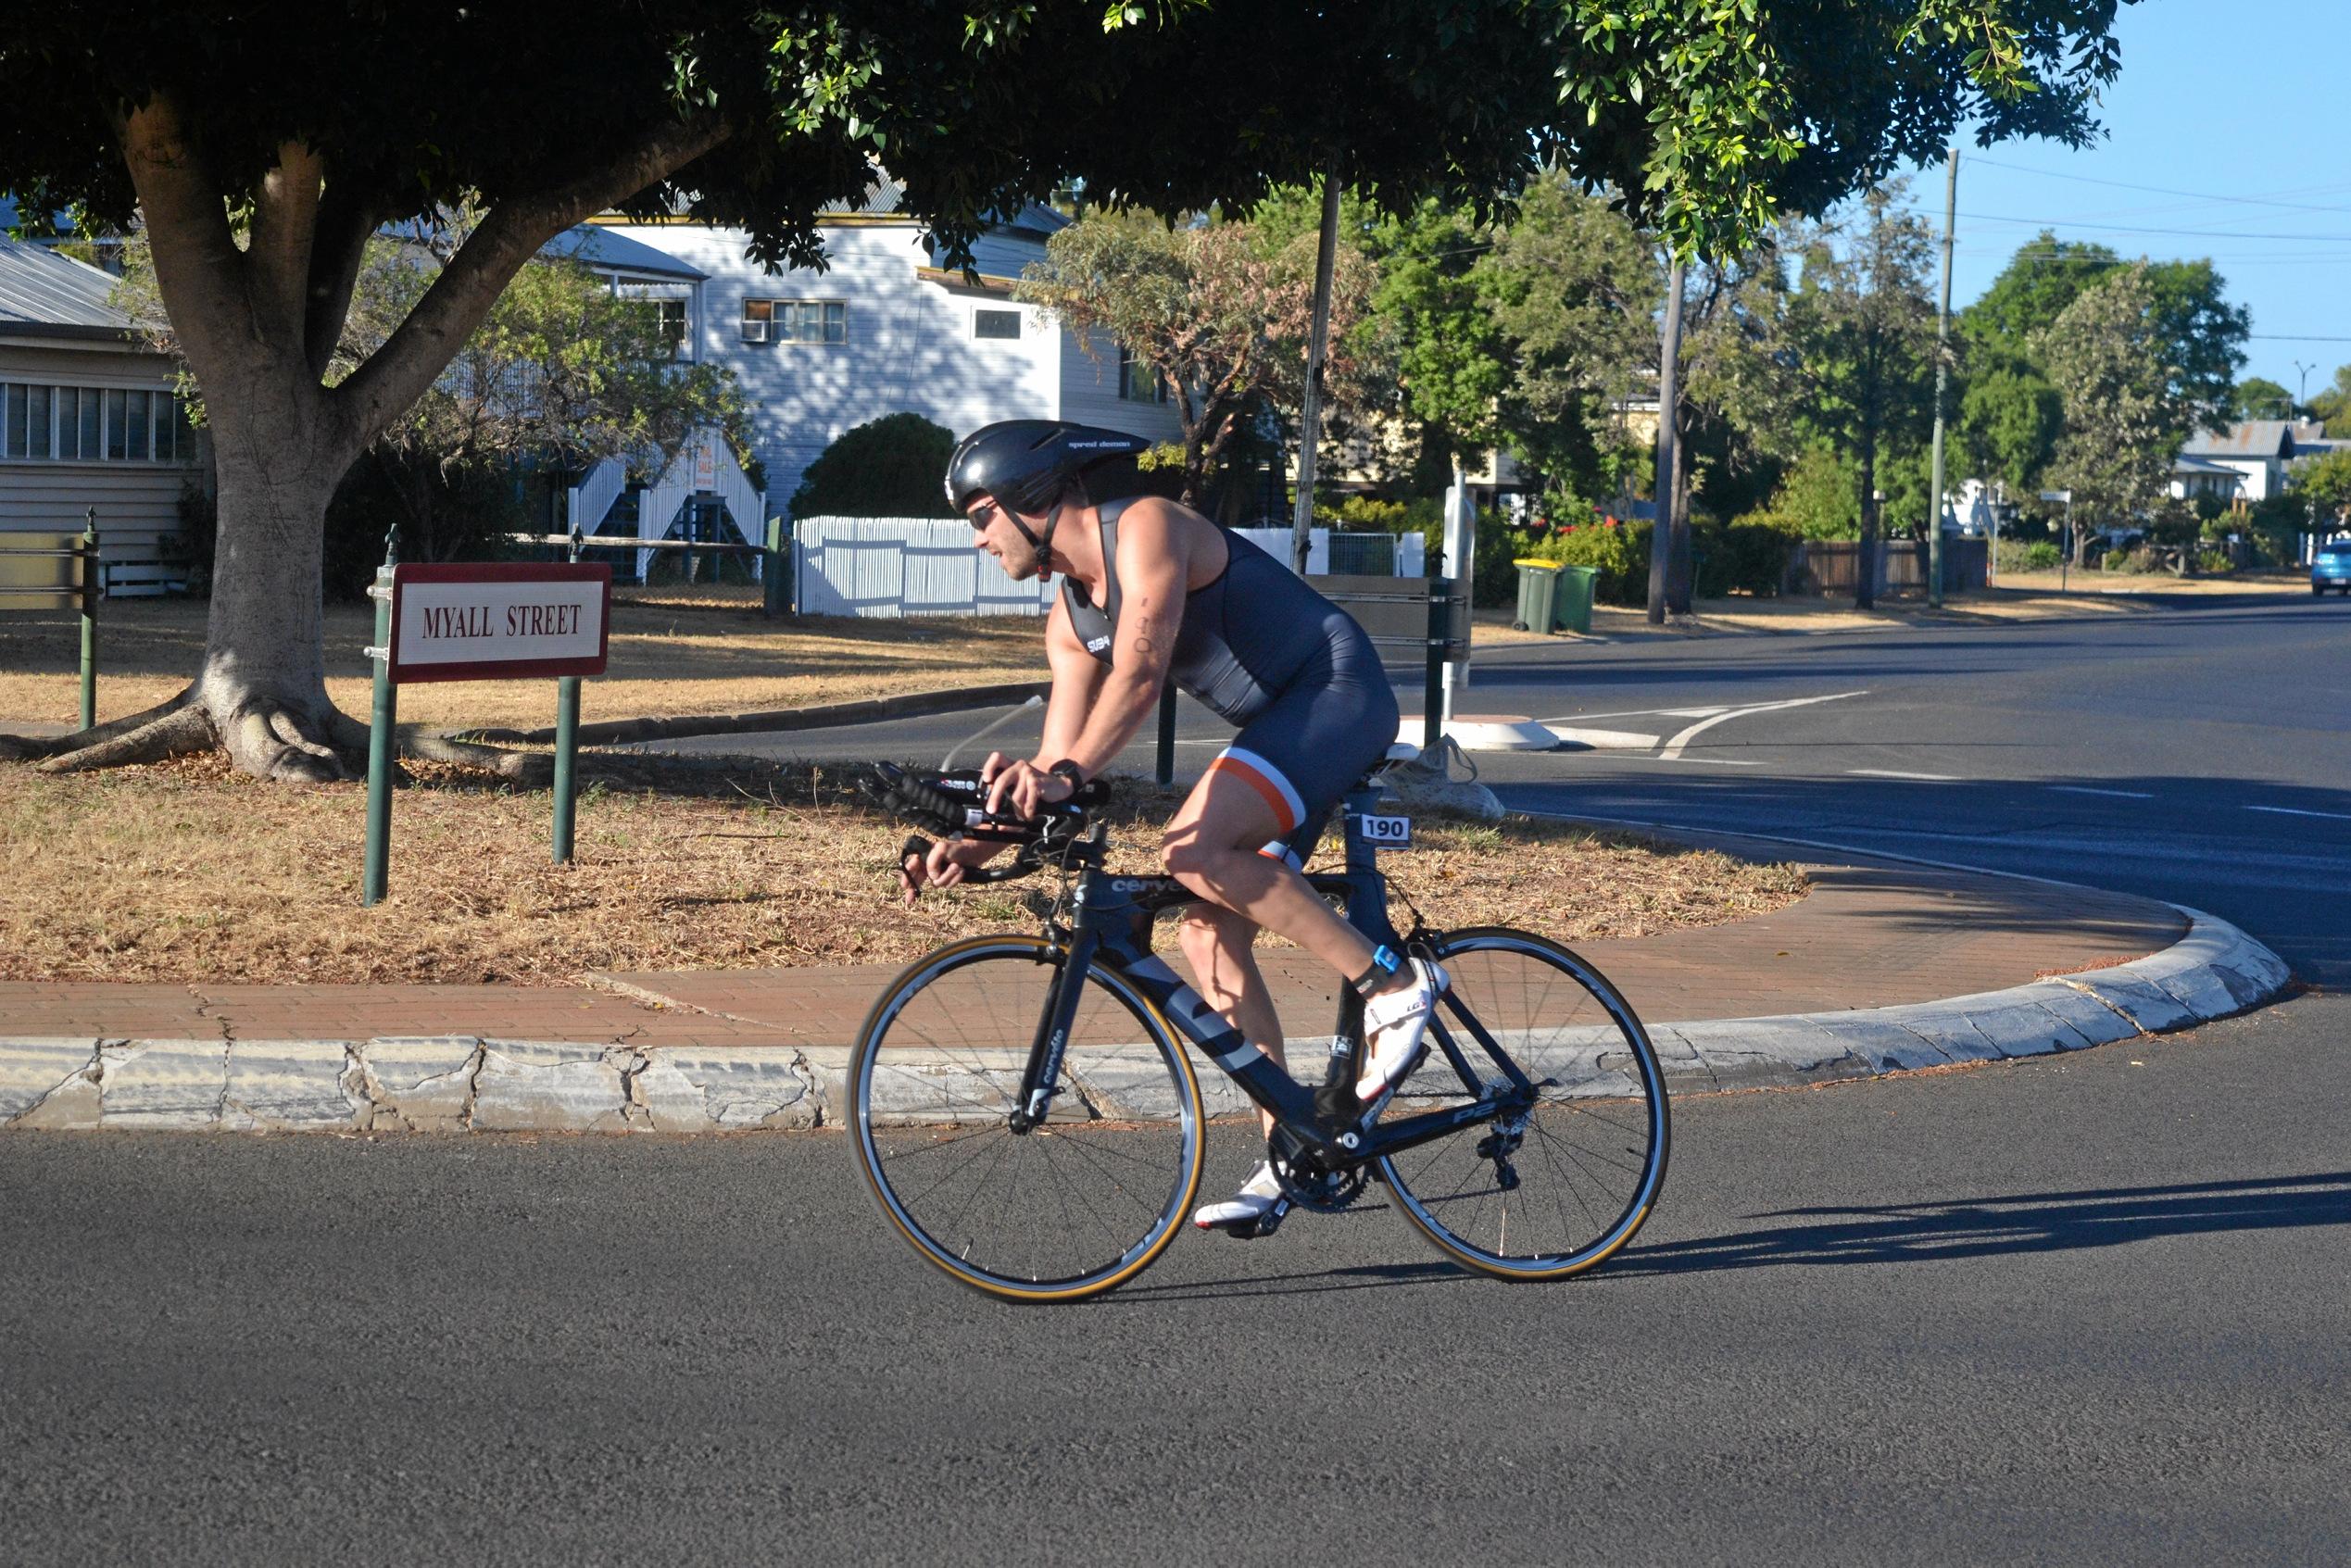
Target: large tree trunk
263, 683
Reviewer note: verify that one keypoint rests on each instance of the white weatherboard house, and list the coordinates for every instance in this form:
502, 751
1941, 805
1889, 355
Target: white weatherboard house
88, 417
2251, 460
884, 329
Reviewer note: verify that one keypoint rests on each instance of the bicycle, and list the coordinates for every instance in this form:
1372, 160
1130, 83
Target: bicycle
1536, 1078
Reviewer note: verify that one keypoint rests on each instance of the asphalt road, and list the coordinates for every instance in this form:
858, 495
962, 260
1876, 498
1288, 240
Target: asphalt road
2083, 1310
2088, 1310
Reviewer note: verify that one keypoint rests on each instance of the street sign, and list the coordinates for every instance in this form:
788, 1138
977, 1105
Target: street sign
472, 621
2066, 495
41, 570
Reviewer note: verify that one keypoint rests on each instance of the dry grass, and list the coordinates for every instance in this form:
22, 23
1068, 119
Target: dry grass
672, 651
190, 873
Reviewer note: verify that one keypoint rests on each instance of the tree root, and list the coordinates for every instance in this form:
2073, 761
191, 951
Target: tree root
26, 748
270, 741
524, 767
174, 735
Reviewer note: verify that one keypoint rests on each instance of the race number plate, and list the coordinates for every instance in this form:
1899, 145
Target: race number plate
1387, 832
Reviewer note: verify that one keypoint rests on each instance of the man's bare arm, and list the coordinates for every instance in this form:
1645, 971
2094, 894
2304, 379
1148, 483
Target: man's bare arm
1153, 565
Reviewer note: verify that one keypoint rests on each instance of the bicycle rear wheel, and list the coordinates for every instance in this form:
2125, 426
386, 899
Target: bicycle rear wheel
1078, 1203
1557, 1190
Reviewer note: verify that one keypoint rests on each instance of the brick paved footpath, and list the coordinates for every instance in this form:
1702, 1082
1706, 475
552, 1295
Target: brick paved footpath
1870, 934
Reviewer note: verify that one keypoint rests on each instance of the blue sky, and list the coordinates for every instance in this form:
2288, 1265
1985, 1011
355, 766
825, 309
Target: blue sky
2228, 103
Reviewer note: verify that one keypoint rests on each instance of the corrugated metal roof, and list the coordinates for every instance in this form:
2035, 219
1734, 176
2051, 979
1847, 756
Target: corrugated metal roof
606, 251
2248, 438
40, 288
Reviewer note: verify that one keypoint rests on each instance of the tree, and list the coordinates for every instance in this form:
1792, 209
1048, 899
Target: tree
264, 145
1735, 389
2125, 414
887, 467
2325, 483
2257, 397
1572, 289
1222, 325
1861, 327
2333, 406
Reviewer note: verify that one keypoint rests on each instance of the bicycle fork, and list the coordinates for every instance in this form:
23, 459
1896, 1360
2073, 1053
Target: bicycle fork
1034, 1101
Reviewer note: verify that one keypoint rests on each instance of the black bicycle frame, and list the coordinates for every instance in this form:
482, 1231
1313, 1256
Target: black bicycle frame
1112, 925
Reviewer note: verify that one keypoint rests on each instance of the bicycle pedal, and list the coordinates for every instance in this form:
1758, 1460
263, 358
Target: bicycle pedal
1264, 1225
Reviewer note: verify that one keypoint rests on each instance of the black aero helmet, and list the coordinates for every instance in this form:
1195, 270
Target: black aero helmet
1026, 464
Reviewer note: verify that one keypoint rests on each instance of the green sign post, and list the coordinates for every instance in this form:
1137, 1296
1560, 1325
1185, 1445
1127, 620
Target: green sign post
481, 623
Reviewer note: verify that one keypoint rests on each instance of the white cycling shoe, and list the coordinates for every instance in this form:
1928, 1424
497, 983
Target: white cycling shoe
1257, 1196
1394, 1023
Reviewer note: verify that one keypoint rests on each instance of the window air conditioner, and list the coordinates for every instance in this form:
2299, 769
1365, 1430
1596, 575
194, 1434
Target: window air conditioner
755, 332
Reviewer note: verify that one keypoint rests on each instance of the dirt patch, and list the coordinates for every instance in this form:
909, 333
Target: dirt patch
190, 873
672, 651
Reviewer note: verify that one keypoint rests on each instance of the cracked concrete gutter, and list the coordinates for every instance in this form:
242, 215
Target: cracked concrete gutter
463, 1084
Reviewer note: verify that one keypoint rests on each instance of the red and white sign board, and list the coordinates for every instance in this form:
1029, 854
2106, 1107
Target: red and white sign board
494, 622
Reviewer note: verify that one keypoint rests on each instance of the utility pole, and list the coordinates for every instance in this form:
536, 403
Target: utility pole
1309, 408
1668, 403
1943, 337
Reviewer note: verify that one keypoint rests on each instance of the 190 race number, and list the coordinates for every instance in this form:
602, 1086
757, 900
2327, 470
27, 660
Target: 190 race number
1387, 832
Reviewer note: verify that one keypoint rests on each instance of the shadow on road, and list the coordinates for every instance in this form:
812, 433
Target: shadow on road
1992, 1227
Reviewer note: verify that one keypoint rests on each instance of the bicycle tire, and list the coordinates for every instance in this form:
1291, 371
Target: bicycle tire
1022, 1216
1596, 1141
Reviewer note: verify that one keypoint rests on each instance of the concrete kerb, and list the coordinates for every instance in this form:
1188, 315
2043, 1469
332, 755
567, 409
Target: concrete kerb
868, 710
458, 1084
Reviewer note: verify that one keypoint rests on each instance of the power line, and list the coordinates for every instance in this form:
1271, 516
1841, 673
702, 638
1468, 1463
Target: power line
2132, 229
2156, 190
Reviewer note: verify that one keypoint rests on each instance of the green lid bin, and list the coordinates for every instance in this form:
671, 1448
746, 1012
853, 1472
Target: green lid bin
1538, 595
1573, 602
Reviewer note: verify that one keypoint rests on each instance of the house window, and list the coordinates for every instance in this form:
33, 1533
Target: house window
89, 425
995, 324
1138, 382
795, 321
667, 317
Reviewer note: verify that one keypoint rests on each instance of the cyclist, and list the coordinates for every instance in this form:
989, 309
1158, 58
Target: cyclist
1150, 592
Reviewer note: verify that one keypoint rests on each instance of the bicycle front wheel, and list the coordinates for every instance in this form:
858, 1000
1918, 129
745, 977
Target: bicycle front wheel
1076, 1204
1553, 1190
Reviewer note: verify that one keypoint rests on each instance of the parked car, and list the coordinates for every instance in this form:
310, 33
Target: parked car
2330, 567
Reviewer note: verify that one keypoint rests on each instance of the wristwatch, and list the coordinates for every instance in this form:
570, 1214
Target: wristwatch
1068, 769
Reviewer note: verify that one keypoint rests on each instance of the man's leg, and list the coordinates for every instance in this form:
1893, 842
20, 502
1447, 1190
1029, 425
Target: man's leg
1216, 941
1217, 845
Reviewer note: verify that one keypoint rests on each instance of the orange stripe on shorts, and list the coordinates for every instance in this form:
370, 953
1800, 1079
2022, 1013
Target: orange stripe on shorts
1258, 781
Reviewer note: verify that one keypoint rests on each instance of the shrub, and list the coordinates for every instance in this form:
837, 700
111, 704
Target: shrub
889, 467
1617, 551
1749, 556
1820, 498
2042, 556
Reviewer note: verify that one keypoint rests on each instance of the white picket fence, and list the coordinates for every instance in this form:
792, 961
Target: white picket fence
892, 567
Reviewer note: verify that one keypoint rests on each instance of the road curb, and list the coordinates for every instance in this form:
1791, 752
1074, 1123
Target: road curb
463, 1084
868, 710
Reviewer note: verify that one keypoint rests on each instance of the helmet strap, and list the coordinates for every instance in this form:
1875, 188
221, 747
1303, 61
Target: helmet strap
1042, 545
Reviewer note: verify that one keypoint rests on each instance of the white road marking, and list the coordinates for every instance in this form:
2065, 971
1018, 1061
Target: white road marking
2291, 812
1674, 746
1708, 762
1893, 774
1601, 740
2085, 789
1636, 713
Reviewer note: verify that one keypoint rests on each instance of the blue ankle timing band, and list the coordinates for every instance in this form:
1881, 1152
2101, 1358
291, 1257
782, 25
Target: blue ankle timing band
1384, 963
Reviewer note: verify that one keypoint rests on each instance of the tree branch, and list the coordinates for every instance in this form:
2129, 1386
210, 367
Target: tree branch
397, 375
345, 223
196, 259
285, 222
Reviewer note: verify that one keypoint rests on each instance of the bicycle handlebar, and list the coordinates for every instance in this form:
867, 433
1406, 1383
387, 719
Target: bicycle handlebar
952, 805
